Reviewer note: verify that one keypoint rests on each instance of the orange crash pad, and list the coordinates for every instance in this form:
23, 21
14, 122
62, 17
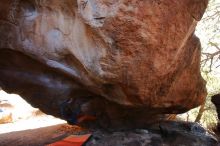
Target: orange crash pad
73, 140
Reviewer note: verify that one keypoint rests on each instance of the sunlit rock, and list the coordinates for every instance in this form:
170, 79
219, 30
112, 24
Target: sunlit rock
126, 63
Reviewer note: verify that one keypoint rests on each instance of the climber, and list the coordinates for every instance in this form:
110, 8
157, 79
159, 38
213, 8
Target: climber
73, 116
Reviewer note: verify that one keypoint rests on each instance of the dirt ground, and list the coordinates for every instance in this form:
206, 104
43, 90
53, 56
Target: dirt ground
37, 137
27, 125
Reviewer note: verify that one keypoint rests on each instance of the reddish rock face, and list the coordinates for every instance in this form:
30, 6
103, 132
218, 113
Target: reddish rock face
117, 60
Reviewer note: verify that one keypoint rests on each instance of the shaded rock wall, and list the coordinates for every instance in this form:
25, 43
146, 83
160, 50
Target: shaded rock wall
116, 60
216, 101
164, 134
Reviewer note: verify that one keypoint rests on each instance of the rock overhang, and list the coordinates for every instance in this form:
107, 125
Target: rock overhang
116, 59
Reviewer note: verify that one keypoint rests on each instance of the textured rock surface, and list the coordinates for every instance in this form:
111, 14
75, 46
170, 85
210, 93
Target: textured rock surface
127, 62
165, 134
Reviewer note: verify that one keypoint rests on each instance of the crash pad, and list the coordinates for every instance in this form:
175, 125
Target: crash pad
73, 140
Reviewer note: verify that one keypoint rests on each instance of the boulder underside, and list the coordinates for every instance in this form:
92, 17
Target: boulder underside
126, 63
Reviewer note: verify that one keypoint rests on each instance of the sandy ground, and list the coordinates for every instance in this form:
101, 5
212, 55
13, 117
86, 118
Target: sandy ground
37, 137
30, 123
29, 126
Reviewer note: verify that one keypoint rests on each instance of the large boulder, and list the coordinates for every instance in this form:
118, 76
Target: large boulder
127, 62
163, 134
